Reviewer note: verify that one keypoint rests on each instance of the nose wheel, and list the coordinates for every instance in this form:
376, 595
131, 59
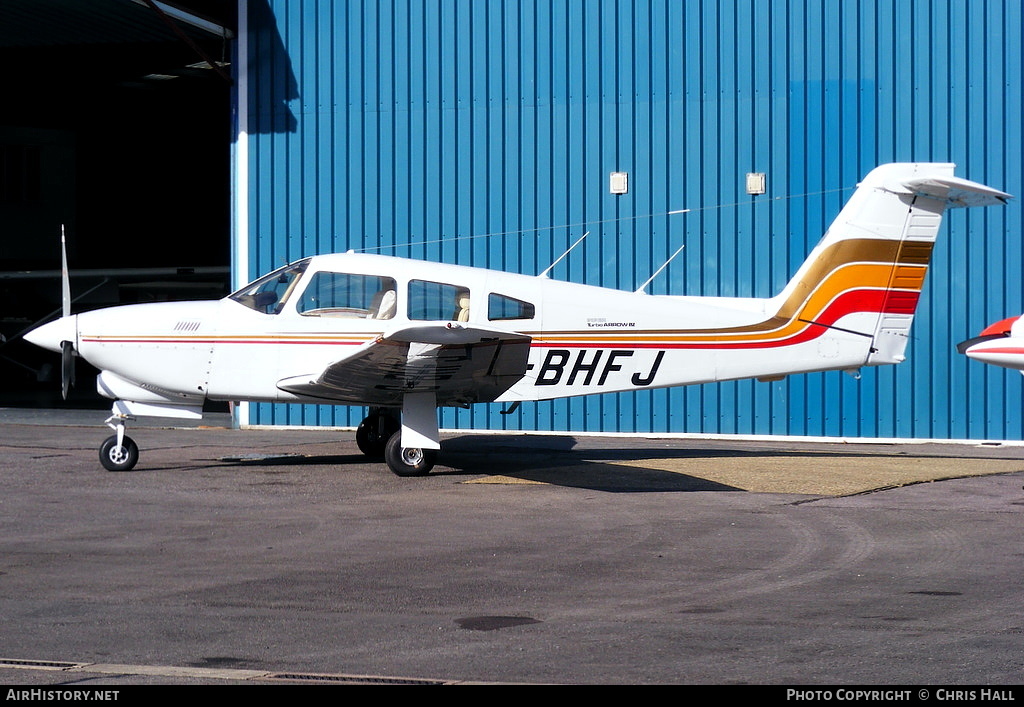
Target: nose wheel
119, 456
119, 451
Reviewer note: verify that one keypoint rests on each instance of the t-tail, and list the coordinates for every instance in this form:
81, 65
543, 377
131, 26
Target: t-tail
864, 277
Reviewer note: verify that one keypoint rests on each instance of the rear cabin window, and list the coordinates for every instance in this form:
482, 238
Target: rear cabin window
500, 307
347, 296
438, 301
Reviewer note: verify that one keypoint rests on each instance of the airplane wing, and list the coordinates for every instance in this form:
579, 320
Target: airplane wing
459, 364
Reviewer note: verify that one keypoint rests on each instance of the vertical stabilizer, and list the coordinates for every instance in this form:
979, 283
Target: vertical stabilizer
866, 274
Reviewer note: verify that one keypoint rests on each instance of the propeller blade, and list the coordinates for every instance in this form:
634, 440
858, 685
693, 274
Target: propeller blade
65, 276
67, 367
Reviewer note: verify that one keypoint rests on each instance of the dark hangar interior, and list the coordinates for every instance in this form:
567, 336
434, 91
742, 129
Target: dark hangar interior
116, 127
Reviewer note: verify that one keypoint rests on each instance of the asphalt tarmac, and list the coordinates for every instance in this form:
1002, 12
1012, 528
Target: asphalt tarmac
285, 557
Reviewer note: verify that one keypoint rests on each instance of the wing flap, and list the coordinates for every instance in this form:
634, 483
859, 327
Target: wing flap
459, 364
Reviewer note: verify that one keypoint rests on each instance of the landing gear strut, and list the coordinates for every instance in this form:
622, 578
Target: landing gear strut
119, 451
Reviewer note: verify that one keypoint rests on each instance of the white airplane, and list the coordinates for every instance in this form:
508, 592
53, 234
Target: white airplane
1000, 344
404, 337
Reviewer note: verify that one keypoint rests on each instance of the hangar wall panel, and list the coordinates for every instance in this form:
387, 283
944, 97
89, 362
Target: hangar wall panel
484, 133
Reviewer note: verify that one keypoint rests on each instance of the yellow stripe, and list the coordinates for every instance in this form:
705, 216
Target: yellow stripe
848, 277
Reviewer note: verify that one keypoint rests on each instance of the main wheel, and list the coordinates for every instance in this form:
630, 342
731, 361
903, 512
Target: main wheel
408, 461
373, 434
121, 457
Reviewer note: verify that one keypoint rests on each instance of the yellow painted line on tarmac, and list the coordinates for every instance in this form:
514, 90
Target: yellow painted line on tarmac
805, 474
501, 479
825, 475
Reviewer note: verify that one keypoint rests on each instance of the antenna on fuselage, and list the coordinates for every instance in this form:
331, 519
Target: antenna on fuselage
562, 256
658, 271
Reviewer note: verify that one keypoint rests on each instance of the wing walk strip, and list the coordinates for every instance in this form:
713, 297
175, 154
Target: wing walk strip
229, 674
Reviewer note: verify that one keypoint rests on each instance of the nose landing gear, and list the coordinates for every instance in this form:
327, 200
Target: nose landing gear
119, 451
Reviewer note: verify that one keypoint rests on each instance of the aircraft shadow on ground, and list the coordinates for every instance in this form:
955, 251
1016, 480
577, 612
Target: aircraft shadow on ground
555, 460
551, 460
560, 461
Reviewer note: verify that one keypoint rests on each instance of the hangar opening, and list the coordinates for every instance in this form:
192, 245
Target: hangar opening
116, 127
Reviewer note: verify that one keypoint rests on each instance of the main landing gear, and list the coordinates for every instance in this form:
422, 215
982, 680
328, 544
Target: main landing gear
119, 451
380, 435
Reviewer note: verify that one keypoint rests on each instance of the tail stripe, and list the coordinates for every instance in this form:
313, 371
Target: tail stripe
864, 266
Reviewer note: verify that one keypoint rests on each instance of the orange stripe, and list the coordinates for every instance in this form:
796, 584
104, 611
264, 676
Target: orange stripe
844, 266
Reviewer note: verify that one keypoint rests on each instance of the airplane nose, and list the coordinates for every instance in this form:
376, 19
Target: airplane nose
49, 335
1004, 352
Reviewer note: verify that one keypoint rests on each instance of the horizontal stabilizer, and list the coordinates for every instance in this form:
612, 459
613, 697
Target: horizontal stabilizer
954, 191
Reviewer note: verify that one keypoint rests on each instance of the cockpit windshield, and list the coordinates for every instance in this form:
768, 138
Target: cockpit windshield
270, 293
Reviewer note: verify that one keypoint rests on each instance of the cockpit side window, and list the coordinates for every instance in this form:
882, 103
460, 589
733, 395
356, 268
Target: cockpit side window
270, 293
501, 307
347, 296
437, 301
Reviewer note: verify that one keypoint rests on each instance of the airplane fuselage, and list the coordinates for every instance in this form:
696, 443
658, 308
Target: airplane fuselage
583, 339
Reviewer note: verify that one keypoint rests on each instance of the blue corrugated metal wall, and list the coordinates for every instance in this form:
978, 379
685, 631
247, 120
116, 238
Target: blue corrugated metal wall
416, 127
